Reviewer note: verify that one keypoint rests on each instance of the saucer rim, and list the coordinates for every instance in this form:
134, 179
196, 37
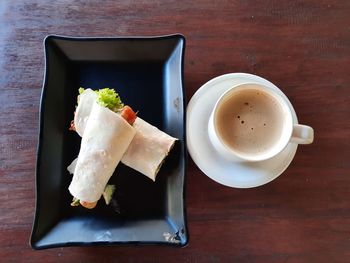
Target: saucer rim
240, 78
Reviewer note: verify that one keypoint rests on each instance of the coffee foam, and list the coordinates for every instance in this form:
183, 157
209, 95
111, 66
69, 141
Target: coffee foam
250, 121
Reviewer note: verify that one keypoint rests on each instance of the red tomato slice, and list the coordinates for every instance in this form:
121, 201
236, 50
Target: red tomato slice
128, 114
88, 205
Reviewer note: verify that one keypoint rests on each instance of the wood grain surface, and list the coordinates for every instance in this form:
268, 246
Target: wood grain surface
301, 46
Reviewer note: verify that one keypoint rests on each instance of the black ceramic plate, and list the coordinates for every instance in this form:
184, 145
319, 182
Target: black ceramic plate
147, 72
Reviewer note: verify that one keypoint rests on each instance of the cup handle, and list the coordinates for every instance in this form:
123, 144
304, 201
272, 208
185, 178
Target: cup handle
302, 134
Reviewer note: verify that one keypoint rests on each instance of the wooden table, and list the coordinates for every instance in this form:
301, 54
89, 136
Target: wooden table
301, 46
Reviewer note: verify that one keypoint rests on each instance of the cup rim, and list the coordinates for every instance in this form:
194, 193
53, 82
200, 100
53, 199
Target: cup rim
284, 139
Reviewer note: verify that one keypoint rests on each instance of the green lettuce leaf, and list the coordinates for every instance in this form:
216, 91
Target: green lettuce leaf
75, 202
110, 99
108, 193
81, 90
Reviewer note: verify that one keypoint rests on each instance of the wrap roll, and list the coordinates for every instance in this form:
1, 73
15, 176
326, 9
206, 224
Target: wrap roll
146, 151
81, 116
105, 139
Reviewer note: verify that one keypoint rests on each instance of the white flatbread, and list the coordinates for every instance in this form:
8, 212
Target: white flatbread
146, 151
82, 112
71, 167
105, 139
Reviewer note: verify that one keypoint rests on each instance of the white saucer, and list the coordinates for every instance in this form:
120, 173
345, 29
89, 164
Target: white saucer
233, 174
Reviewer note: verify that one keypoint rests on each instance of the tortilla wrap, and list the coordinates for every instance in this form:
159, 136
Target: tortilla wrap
105, 139
82, 112
148, 148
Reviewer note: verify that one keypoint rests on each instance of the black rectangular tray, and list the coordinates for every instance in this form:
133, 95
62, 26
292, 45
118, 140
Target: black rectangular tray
147, 72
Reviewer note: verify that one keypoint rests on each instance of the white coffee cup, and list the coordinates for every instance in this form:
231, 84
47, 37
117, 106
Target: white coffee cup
252, 122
